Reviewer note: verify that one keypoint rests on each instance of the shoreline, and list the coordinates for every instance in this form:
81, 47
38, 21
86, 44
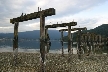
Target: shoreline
37, 50
55, 63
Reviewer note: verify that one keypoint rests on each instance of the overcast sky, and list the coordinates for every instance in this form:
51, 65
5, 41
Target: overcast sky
87, 13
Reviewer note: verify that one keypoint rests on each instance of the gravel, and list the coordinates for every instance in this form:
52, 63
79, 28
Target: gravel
30, 62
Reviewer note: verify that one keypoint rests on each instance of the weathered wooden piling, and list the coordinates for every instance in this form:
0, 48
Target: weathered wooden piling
40, 14
62, 42
15, 43
89, 42
70, 39
69, 32
92, 42
83, 38
104, 40
63, 25
79, 41
70, 46
47, 40
99, 45
42, 40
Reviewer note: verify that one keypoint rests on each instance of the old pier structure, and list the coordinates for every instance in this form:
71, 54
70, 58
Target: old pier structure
40, 14
88, 41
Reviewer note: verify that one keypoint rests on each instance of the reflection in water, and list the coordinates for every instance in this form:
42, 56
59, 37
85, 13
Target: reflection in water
32, 44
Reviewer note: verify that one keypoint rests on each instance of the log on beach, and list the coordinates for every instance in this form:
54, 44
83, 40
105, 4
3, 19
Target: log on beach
30, 62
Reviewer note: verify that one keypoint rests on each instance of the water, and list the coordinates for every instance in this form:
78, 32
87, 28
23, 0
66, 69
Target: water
31, 46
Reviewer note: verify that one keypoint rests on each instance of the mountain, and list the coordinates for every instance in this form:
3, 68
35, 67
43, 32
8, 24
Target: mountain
100, 30
54, 34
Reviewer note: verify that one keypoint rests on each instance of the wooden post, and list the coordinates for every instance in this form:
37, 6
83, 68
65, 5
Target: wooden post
100, 41
72, 41
91, 42
86, 43
103, 44
86, 40
62, 43
69, 42
82, 41
79, 44
96, 43
47, 39
42, 41
88, 46
106, 43
15, 43
69, 38
40, 14
69, 31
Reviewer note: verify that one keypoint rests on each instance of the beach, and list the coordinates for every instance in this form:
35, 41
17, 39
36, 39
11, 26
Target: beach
30, 62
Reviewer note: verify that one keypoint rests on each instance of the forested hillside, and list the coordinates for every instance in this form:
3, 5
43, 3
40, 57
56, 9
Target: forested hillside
100, 30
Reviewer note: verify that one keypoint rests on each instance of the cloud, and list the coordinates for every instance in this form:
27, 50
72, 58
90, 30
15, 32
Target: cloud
66, 11
8, 29
90, 23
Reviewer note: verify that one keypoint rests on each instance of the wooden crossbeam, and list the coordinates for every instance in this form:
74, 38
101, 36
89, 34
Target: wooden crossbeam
81, 28
73, 29
66, 30
61, 25
46, 12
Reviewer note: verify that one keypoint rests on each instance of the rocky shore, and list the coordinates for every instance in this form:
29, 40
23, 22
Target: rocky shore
30, 62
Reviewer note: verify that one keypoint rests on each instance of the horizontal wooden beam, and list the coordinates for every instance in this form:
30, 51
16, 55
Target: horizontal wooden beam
46, 12
74, 29
81, 28
66, 30
54, 26
61, 25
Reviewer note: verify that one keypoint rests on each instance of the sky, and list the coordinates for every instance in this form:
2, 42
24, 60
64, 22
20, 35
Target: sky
87, 13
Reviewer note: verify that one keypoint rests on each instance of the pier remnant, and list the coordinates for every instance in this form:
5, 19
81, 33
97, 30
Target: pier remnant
40, 14
79, 41
64, 25
62, 39
15, 43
